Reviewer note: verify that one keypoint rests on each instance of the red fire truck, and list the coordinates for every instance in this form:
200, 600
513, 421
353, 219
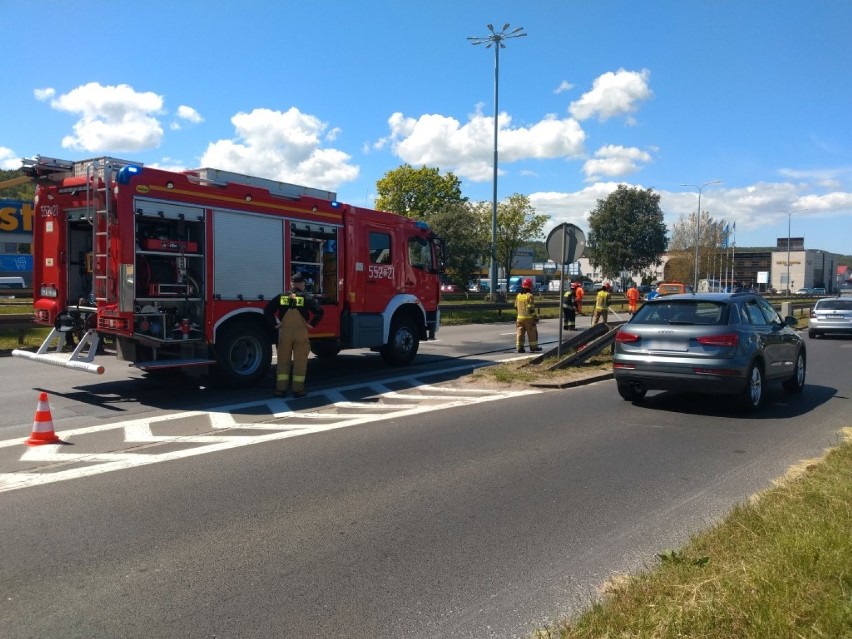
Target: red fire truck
173, 269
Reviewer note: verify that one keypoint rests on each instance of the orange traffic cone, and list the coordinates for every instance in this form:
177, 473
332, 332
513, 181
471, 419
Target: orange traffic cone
43, 425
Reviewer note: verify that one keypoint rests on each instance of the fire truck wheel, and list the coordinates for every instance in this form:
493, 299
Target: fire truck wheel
325, 349
244, 354
403, 342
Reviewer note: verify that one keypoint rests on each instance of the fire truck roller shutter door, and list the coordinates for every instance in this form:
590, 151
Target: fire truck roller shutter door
249, 256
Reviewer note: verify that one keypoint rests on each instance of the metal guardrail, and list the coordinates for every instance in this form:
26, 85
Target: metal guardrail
499, 307
20, 322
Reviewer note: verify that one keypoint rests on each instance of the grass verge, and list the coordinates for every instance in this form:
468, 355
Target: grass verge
30, 338
522, 371
778, 567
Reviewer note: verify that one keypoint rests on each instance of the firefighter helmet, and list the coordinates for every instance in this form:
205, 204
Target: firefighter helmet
607, 286
527, 283
575, 284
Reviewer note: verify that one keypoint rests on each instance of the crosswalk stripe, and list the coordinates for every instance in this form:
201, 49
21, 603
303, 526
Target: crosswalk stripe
281, 421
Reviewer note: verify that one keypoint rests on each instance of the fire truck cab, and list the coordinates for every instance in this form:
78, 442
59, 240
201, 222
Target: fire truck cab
175, 268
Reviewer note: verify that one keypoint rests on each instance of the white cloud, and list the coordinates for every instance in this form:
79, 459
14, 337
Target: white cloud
614, 161
44, 94
189, 114
467, 149
9, 160
763, 205
613, 94
185, 114
281, 146
759, 210
573, 207
112, 118
563, 87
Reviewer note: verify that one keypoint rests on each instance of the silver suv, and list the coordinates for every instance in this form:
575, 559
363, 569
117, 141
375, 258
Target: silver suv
715, 343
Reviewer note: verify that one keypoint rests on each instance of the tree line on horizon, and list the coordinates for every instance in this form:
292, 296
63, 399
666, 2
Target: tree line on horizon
626, 232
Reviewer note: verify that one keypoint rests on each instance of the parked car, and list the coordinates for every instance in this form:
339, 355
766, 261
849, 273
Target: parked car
830, 316
818, 290
673, 288
804, 291
715, 343
451, 288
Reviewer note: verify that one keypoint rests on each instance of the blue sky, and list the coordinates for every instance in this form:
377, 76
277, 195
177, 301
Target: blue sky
334, 94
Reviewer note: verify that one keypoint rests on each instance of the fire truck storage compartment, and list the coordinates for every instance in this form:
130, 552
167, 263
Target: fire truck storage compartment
79, 256
169, 303
313, 253
249, 250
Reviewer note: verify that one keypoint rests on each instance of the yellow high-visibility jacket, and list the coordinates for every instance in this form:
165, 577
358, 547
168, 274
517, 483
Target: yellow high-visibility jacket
525, 305
602, 300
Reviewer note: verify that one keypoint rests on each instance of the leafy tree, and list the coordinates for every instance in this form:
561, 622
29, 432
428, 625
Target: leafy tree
711, 237
517, 224
463, 226
417, 193
626, 231
17, 189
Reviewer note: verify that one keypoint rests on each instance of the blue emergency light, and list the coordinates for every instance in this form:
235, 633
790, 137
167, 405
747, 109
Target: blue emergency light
127, 172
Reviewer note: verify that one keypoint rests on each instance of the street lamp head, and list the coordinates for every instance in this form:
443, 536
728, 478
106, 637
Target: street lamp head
701, 186
495, 37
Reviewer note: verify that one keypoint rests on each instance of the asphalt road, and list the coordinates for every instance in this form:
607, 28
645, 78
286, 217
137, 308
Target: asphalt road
473, 520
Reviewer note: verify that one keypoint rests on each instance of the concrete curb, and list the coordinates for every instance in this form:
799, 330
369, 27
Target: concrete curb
574, 382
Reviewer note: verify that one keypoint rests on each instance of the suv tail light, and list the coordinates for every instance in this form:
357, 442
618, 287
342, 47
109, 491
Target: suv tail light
626, 338
727, 339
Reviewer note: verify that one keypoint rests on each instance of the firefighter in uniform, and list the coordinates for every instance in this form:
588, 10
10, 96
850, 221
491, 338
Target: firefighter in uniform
569, 308
633, 296
295, 310
602, 304
525, 324
580, 293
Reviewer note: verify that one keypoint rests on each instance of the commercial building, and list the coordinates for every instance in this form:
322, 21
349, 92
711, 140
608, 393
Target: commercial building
16, 239
762, 268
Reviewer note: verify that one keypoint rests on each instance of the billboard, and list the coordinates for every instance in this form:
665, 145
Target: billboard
16, 216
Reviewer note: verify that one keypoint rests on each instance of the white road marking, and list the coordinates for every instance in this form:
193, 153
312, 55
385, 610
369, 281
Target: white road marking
281, 422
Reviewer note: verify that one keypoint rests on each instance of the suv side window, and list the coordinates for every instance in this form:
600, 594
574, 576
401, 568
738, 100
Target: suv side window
769, 313
755, 315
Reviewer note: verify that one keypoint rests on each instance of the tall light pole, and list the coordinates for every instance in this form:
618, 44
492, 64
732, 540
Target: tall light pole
789, 222
496, 39
698, 228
